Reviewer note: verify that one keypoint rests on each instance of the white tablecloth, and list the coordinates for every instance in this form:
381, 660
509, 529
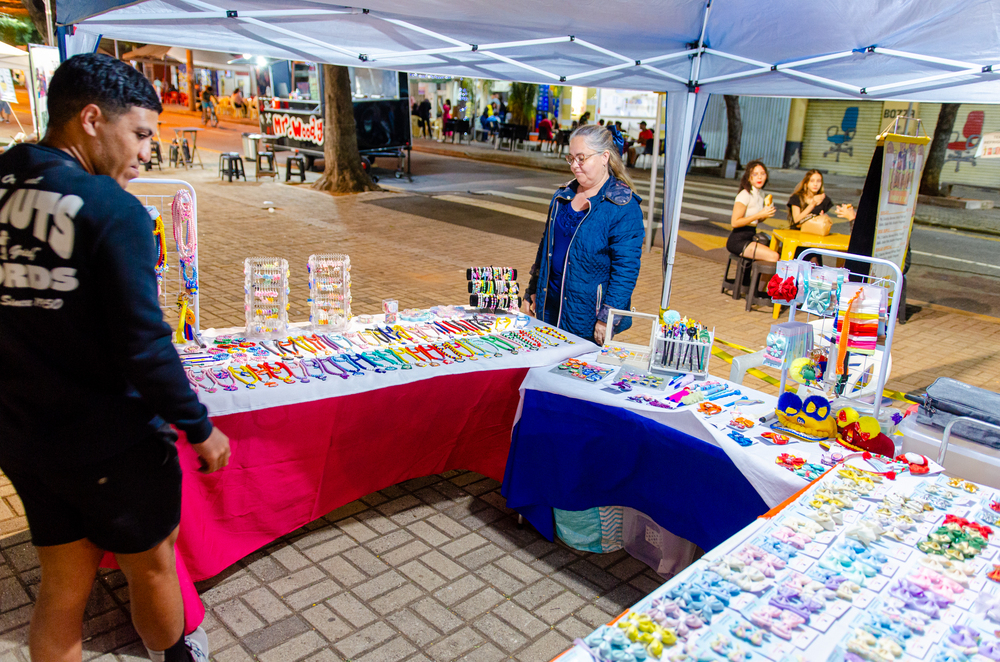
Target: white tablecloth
223, 402
757, 462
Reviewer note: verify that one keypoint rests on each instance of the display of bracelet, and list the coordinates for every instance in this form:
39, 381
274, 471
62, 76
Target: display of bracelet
329, 291
265, 291
493, 288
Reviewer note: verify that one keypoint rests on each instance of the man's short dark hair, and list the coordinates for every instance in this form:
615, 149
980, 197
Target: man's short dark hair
99, 79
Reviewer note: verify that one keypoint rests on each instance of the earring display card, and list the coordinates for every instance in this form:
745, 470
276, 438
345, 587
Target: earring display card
330, 291
493, 288
266, 296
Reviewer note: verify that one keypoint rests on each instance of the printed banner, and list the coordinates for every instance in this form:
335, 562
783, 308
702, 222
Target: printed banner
902, 166
989, 146
293, 127
43, 60
7, 92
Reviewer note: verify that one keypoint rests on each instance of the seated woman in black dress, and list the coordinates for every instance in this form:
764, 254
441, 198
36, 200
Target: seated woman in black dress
808, 200
750, 208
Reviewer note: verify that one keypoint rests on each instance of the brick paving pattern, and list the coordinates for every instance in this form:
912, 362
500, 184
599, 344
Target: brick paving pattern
435, 568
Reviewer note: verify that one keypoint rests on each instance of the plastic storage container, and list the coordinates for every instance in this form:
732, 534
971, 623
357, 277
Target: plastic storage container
649, 542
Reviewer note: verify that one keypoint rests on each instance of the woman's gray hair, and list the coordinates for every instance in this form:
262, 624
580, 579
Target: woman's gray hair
599, 139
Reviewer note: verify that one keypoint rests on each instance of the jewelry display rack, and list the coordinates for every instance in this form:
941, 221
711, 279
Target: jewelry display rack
266, 296
330, 291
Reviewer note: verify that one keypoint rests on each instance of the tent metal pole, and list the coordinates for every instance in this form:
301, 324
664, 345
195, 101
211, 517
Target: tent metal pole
393, 55
974, 71
740, 74
680, 171
814, 60
668, 56
924, 58
296, 35
599, 49
650, 222
670, 244
213, 13
511, 61
828, 82
665, 74
595, 72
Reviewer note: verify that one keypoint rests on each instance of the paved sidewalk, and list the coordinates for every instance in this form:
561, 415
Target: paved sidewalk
433, 569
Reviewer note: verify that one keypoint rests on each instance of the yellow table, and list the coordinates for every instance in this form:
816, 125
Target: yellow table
791, 240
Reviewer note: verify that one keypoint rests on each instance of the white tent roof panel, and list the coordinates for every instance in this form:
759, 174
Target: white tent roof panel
610, 36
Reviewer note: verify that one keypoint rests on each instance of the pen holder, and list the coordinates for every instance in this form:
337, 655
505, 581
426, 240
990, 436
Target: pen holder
265, 290
330, 291
673, 355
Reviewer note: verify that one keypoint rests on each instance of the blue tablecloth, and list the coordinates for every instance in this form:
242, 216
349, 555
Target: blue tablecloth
572, 454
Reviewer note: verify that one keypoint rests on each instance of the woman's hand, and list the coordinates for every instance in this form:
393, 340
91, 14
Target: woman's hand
766, 212
818, 199
528, 305
846, 212
600, 329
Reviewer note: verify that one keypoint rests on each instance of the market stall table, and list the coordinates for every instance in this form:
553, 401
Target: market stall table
301, 450
578, 446
870, 586
792, 240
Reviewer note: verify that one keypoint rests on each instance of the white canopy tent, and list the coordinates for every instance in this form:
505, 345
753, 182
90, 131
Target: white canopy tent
13, 58
914, 50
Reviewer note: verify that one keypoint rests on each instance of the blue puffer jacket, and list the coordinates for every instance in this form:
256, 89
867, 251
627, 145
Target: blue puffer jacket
602, 263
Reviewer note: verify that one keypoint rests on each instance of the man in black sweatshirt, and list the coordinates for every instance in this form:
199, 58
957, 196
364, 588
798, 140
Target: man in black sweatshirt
90, 375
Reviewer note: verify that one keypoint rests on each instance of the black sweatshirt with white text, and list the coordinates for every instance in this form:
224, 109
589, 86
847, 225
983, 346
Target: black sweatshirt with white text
87, 368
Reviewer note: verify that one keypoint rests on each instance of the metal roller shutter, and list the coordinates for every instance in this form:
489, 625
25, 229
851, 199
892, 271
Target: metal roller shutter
765, 124
824, 119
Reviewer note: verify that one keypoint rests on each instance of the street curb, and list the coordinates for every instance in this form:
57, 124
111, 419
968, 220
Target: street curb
951, 226
501, 158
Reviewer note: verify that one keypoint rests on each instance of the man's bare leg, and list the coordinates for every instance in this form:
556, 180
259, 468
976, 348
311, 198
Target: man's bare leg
155, 594
68, 573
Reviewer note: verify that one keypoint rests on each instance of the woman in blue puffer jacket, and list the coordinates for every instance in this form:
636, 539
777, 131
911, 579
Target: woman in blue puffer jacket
588, 260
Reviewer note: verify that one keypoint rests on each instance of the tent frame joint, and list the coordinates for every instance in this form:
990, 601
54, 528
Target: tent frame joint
232, 13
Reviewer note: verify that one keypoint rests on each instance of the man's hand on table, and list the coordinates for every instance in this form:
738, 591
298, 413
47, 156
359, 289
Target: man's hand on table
214, 451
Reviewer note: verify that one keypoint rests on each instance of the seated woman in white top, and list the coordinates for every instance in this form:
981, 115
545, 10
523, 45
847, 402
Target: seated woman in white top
750, 208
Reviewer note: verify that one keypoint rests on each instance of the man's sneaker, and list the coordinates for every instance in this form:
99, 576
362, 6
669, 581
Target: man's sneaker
197, 644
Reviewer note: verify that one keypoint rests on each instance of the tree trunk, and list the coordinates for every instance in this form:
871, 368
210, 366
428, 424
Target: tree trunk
343, 172
189, 75
930, 181
734, 125
36, 10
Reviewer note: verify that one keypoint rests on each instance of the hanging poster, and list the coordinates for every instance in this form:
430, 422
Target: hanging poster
901, 169
989, 146
43, 61
7, 92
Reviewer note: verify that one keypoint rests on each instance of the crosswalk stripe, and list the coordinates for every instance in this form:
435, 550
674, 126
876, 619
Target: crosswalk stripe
515, 196
711, 210
495, 206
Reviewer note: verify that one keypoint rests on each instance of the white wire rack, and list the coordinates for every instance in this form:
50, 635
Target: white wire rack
173, 283
864, 370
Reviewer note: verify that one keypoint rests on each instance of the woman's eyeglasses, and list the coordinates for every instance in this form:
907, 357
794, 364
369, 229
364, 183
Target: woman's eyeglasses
579, 158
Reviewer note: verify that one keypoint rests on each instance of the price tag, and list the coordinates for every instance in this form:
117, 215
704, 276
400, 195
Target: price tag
889, 568
951, 615
742, 600
862, 506
876, 583
814, 550
851, 516
988, 553
838, 608
936, 630
966, 600
826, 537
977, 584
900, 552
800, 563
863, 599
918, 647
822, 622
803, 639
